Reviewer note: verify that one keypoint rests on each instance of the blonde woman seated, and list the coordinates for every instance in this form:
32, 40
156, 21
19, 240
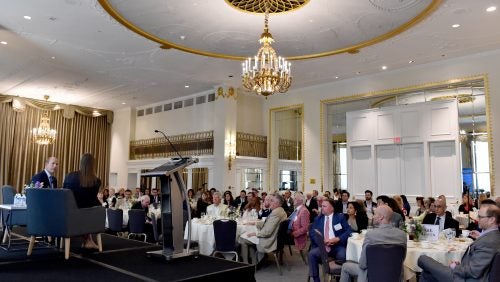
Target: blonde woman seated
252, 209
217, 208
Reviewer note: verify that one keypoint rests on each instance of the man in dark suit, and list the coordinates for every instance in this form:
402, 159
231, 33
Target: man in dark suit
385, 233
341, 205
369, 204
335, 231
241, 200
155, 198
47, 177
311, 204
476, 262
441, 218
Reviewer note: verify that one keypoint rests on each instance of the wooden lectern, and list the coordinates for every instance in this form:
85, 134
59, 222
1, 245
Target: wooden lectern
174, 202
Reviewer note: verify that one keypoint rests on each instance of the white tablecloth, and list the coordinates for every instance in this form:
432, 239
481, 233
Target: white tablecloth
442, 251
203, 233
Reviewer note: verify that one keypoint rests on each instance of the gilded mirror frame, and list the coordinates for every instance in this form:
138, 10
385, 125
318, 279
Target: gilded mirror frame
391, 93
273, 155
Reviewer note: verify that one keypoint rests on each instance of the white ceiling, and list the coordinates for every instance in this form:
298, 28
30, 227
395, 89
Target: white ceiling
74, 51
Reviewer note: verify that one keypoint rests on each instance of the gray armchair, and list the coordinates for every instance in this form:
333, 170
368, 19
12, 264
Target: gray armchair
53, 212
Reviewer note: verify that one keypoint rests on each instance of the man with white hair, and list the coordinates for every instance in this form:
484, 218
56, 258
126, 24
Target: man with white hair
441, 217
217, 208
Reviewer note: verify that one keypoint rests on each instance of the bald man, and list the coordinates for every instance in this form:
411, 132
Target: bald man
384, 233
442, 218
47, 176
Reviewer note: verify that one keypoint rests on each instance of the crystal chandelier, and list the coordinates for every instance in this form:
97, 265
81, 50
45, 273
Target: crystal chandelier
267, 72
43, 134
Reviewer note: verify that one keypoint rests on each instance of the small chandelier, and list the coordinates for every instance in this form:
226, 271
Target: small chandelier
267, 72
43, 134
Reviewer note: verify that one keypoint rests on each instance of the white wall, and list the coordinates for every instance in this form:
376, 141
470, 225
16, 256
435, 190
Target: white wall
250, 115
473, 65
121, 134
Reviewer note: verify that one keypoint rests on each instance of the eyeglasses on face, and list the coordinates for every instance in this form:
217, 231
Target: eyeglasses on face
483, 216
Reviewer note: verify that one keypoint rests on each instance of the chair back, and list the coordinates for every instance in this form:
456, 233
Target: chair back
115, 219
282, 236
225, 235
8, 193
320, 241
377, 257
495, 268
154, 223
53, 212
136, 220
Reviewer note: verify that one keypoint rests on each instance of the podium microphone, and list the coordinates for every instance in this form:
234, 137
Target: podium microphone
171, 145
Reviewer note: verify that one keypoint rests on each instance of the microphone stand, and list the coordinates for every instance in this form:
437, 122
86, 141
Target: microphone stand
171, 145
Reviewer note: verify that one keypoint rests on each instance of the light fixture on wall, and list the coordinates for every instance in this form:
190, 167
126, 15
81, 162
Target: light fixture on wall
231, 149
43, 134
267, 72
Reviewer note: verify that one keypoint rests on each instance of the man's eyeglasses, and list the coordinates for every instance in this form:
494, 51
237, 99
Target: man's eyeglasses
438, 206
483, 216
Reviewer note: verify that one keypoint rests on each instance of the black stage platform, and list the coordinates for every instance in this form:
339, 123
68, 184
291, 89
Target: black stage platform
122, 260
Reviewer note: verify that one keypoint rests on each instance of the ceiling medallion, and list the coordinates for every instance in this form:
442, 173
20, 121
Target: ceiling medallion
267, 72
259, 6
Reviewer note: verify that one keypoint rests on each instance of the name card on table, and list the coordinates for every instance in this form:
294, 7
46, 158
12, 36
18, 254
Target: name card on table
430, 232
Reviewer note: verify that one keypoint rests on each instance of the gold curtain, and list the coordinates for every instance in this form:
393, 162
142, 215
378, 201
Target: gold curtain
21, 158
200, 178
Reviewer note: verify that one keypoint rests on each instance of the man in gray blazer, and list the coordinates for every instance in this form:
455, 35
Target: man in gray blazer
267, 232
476, 262
384, 233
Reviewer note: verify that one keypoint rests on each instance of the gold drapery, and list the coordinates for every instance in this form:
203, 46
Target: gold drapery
21, 158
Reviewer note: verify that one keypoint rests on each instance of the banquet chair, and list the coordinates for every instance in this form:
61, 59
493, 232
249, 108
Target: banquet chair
291, 242
495, 268
331, 268
280, 248
53, 212
10, 218
115, 221
225, 237
137, 223
377, 257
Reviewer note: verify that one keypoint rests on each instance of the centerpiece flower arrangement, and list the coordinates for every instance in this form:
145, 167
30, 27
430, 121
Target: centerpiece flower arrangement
414, 230
232, 213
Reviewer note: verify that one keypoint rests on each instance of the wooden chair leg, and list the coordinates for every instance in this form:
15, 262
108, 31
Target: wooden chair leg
276, 258
31, 245
99, 242
66, 247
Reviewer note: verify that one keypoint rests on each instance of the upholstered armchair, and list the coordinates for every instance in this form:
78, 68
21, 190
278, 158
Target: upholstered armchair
53, 212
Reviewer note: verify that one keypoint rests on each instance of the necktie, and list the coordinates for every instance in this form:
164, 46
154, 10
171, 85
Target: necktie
327, 233
292, 218
51, 180
437, 220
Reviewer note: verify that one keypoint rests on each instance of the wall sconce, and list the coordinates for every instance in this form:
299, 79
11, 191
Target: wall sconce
226, 92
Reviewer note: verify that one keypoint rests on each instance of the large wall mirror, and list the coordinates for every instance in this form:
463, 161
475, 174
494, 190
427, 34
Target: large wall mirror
472, 139
286, 147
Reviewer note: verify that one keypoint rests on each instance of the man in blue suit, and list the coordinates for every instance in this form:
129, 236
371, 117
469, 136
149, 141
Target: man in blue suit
335, 231
47, 176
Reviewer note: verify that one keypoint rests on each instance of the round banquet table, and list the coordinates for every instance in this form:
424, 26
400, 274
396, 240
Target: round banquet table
202, 231
442, 251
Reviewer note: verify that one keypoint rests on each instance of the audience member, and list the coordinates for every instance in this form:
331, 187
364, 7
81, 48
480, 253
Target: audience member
155, 197
217, 208
336, 194
203, 203
267, 232
420, 206
228, 198
344, 200
466, 205
384, 233
85, 186
266, 208
252, 208
398, 217
103, 197
399, 202
288, 202
441, 218
369, 204
406, 205
335, 231
311, 205
192, 201
143, 204
475, 263
46, 178
241, 201
356, 217
299, 222
327, 194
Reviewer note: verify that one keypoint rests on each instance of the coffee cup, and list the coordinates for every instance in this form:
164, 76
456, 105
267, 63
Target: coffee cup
465, 233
